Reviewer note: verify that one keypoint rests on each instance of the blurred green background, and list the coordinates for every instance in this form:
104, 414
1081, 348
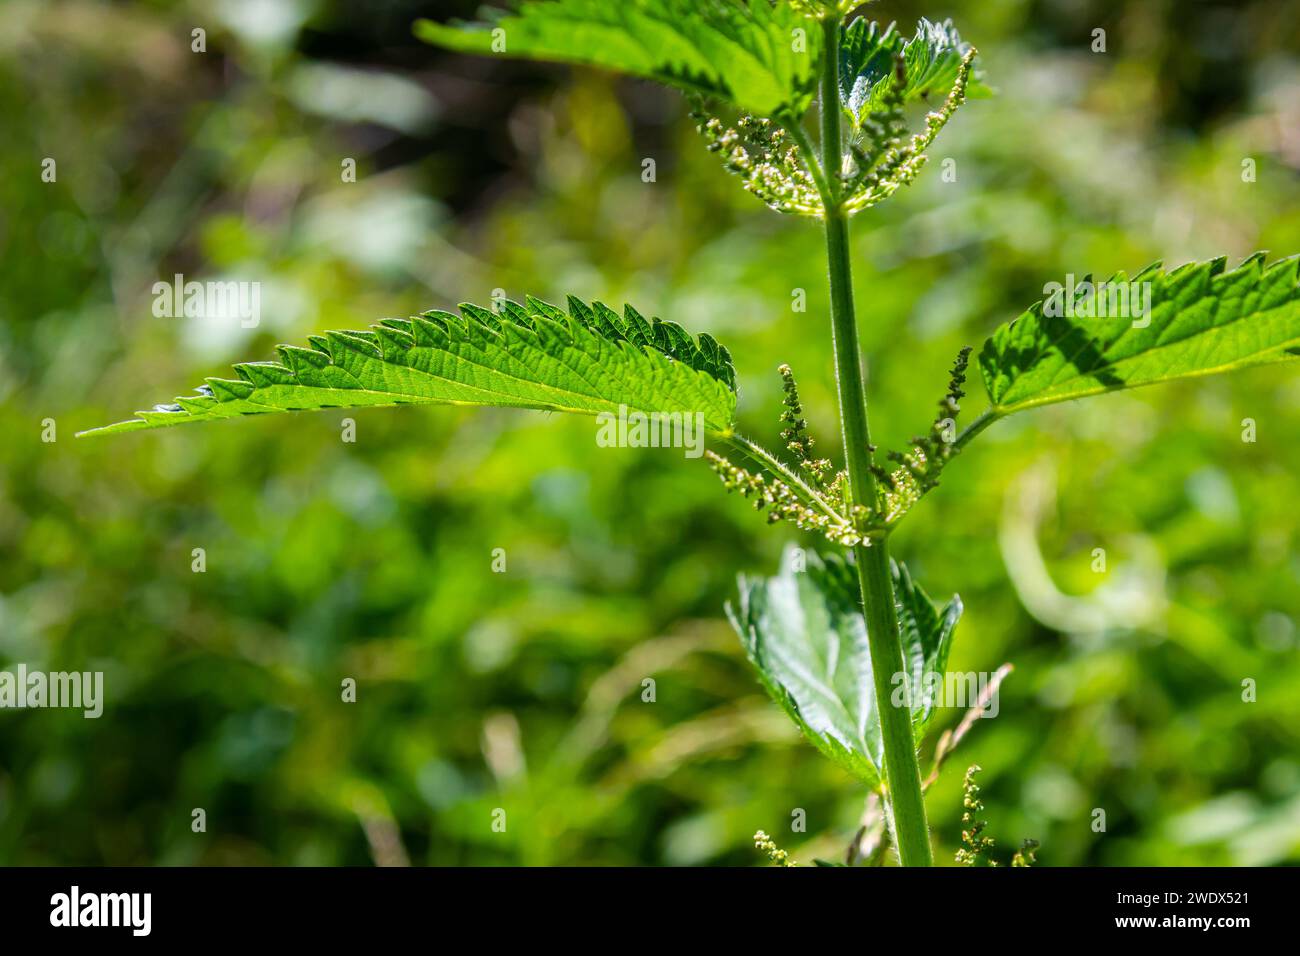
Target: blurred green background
522, 690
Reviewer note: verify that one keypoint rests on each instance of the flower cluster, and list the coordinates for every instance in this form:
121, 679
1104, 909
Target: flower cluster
884, 159
782, 503
815, 496
759, 151
765, 843
1025, 855
975, 846
795, 435
977, 849
919, 467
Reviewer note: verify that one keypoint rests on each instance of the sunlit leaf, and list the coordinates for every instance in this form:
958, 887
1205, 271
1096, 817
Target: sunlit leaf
589, 361
1199, 320
932, 58
757, 55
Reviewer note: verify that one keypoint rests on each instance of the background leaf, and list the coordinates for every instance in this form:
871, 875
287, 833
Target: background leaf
744, 52
529, 356
1202, 320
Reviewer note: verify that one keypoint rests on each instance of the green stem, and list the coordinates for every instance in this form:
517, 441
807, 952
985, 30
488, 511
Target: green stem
986, 418
902, 772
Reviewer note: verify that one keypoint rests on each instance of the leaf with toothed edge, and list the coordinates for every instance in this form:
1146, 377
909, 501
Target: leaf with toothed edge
931, 60
744, 51
1200, 320
532, 355
926, 633
805, 635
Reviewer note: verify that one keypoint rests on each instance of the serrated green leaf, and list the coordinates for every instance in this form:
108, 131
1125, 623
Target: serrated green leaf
806, 636
1201, 320
932, 58
926, 633
533, 355
744, 51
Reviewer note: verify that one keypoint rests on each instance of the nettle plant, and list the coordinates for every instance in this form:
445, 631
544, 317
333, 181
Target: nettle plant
843, 641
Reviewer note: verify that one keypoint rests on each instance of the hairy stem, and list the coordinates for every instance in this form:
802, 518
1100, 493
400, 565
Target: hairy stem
902, 772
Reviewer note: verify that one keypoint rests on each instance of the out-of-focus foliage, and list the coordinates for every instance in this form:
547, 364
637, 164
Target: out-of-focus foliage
528, 690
